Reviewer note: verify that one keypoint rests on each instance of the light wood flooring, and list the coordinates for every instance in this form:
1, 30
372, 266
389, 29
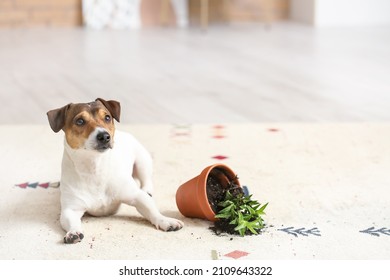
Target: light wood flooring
231, 73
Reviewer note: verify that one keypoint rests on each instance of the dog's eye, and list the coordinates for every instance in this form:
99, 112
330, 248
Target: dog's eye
80, 122
107, 118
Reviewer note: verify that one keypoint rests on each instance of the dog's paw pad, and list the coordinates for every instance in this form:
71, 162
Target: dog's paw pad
171, 228
175, 228
170, 224
73, 237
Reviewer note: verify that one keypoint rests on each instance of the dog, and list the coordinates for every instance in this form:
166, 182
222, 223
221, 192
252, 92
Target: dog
102, 168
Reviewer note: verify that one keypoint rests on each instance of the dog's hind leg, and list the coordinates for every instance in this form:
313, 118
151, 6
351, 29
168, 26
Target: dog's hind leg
143, 169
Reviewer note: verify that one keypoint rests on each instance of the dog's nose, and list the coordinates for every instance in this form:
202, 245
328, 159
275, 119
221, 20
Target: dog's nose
103, 137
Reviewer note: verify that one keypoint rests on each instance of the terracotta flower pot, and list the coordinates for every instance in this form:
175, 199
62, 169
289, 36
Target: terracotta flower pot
191, 197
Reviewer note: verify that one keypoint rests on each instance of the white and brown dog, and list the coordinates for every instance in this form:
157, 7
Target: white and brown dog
100, 167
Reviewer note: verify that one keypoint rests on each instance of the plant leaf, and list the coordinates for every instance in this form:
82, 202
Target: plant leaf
240, 226
263, 207
233, 222
222, 216
243, 212
250, 227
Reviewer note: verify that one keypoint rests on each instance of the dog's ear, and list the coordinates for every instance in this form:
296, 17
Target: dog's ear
57, 118
113, 106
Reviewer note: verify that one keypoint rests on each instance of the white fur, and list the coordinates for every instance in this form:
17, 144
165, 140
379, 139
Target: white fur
98, 182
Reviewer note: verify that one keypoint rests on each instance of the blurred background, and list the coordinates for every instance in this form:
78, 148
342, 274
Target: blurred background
198, 61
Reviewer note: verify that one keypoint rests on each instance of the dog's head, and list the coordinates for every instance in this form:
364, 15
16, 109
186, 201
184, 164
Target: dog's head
87, 126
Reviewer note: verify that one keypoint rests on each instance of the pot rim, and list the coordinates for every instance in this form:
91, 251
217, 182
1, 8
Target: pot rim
202, 191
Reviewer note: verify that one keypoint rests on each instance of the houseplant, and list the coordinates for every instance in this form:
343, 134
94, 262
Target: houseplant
240, 214
216, 195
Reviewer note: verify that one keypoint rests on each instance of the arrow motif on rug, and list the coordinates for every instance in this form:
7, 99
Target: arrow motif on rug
301, 231
37, 184
376, 232
181, 131
33, 185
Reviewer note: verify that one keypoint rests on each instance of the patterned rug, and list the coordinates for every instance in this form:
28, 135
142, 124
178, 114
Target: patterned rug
327, 185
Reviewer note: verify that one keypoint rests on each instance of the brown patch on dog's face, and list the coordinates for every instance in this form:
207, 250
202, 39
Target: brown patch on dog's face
82, 120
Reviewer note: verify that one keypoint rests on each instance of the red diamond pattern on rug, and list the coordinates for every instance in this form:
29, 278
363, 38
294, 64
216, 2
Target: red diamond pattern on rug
273, 129
236, 254
219, 157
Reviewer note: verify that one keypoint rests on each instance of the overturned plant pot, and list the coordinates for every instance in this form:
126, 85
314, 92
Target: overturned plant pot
196, 197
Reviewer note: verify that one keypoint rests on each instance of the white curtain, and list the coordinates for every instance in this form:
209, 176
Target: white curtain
117, 14
123, 14
180, 8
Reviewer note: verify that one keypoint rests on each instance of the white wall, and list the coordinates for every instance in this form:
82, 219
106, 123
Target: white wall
302, 10
341, 12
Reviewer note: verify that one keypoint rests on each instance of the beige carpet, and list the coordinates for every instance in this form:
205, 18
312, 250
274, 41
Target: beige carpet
328, 188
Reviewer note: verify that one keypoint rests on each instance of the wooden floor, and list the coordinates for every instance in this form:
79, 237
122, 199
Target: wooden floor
231, 73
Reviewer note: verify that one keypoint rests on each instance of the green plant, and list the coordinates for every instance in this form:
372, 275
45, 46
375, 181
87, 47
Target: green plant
243, 213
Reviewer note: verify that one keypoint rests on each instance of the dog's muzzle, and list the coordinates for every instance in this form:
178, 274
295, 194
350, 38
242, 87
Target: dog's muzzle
103, 140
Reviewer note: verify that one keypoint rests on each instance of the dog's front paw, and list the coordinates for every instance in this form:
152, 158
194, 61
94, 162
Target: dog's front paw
169, 224
73, 237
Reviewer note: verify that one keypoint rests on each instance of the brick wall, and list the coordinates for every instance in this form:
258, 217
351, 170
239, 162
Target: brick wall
22, 13
242, 10
223, 10
262, 10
